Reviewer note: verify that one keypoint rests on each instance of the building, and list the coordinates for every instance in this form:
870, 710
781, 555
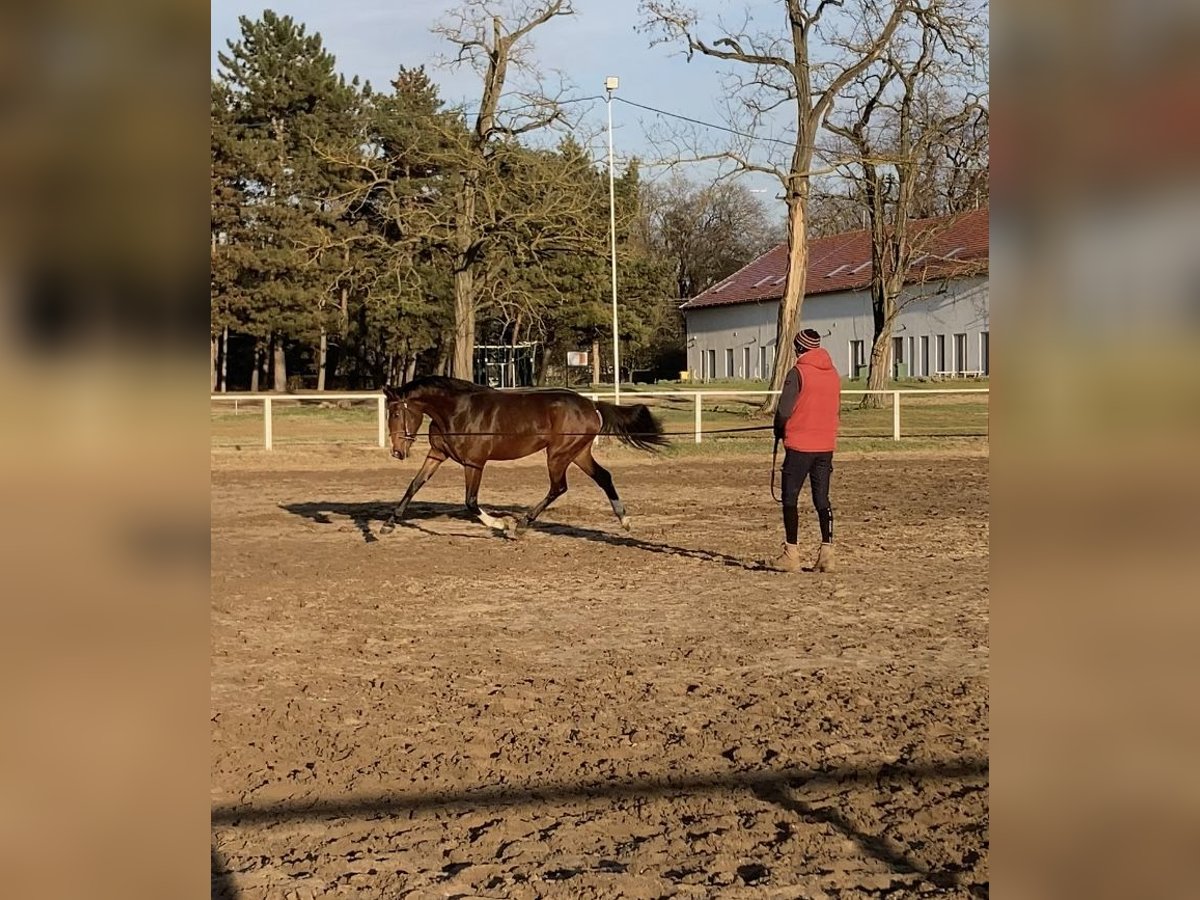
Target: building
942, 329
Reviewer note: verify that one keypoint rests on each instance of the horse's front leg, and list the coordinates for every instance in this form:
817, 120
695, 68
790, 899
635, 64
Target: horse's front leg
473, 475
432, 461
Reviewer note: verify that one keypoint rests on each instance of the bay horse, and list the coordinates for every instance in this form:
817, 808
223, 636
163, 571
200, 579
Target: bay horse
473, 424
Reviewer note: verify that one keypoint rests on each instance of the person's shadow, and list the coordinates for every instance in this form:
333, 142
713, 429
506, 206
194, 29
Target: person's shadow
366, 515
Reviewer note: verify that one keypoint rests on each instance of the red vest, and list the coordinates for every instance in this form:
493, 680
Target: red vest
813, 424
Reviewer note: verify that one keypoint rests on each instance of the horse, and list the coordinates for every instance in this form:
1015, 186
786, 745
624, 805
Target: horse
473, 424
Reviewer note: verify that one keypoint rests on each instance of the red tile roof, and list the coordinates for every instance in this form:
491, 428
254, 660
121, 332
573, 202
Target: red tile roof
843, 262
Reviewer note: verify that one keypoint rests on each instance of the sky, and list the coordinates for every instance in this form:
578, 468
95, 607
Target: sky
373, 38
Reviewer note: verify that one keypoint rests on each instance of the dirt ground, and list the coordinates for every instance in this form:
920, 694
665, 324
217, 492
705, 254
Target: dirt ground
442, 712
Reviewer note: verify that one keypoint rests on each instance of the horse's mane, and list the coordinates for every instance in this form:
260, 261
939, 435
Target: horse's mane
439, 383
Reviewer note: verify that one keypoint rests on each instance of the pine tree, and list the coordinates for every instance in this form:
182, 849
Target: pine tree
285, 98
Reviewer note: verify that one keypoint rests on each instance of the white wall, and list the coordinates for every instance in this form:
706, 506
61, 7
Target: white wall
842, 318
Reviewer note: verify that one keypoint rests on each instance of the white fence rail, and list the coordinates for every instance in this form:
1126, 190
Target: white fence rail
269, 400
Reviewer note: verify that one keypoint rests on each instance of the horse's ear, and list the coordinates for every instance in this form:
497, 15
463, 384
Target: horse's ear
390, 392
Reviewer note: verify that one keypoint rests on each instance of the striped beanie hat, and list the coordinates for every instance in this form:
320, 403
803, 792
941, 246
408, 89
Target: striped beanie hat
808, 339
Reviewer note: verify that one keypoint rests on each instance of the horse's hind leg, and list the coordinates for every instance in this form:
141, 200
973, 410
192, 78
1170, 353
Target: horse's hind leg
556, 464
602, 477
432, 461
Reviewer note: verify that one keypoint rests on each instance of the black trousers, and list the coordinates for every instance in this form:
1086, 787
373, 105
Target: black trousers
817, 468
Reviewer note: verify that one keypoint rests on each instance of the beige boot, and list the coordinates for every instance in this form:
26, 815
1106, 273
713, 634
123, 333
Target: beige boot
789, 560
824, 561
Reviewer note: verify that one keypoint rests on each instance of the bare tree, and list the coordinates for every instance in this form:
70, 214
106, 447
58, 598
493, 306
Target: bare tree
822, 46
907, 108
835, 208
492, 37
706, 231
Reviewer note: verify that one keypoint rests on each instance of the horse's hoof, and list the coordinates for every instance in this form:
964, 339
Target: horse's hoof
387, 527
514, 527
627, 523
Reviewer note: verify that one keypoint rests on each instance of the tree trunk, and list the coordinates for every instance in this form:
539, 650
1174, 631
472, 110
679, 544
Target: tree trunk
514, 339
225, 359
343, 317
539, 377
410, 369
212, 364
877, 366
364, 357
322, 359
464, 326
464, 280
884, 308
280, 363
256, 370
441, 364
596, 361
344, 305
792, 303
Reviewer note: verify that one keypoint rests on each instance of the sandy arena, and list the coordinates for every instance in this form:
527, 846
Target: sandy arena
442, 712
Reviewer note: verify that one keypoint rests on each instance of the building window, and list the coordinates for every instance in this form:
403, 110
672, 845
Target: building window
942, 368
858, 358
762, 362
745, 362
960, 353
985, 353
728, 362
925, 355
711, 369
912, 357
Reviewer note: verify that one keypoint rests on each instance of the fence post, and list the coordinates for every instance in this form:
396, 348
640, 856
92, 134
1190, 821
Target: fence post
699, 426
895, 415
267, 441
381, 400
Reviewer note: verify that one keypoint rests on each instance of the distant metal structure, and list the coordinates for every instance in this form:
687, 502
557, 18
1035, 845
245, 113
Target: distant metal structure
505, 365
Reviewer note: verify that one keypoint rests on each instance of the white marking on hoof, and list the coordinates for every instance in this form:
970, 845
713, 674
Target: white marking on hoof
492, 522
626, 523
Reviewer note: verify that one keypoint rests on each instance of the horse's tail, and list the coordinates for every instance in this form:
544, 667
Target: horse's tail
633, 425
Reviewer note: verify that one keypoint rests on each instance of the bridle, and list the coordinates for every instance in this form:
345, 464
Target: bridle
408, 435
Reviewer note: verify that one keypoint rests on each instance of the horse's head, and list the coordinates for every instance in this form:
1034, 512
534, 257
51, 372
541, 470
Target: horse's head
402, 422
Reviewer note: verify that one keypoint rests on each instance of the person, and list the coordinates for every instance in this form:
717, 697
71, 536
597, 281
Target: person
806, 420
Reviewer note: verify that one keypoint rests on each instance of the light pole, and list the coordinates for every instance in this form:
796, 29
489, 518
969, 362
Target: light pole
610, 84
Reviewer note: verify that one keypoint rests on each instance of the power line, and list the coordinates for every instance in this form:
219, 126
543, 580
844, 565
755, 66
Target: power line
841, 157
513, 109
450, 108
741, 134
838, 158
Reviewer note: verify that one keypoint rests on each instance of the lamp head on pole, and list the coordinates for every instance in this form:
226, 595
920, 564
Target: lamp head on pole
611, 83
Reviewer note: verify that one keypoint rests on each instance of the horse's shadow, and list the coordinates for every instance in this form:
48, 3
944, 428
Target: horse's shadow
364, 515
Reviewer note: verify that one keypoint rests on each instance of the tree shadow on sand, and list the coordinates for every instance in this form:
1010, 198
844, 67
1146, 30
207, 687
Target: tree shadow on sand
777, 787
223, 885
878, 846
364, 515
